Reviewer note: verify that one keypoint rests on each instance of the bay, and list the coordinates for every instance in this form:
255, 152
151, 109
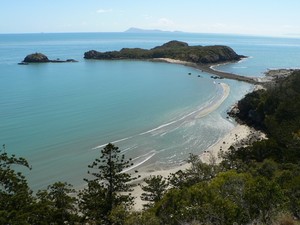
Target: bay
59, 116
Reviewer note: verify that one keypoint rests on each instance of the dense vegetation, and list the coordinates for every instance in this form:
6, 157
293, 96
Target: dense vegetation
174, 50
257, 184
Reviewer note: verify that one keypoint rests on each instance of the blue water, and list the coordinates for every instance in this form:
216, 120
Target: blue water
59, 116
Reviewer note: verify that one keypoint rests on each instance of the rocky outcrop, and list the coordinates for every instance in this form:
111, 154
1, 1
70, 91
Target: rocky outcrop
41, 58
175, 50
36, 58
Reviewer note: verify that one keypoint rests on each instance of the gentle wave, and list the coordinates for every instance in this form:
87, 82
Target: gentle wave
159, 127
140, 163
202, 111
117, 141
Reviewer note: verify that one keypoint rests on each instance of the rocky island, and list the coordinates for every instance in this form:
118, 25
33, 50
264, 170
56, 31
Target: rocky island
41, 58
200, 57
175, 50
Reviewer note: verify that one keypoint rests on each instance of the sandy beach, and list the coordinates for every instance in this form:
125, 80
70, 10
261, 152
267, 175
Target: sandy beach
236, 135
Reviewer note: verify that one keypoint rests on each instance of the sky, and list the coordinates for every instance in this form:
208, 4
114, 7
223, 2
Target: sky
254, 17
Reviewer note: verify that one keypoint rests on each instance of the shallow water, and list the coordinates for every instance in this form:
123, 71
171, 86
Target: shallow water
57, 115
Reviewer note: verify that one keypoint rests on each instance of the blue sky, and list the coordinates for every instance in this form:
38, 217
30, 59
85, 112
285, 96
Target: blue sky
257, 17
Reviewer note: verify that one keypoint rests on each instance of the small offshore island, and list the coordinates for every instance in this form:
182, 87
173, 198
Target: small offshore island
200, 57
41, 58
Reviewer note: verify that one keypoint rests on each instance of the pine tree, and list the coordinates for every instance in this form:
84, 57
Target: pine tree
110, 185
15, 194
58, 203
154, 189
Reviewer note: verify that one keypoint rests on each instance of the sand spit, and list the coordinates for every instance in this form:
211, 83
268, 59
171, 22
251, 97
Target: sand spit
209, 69
240, 135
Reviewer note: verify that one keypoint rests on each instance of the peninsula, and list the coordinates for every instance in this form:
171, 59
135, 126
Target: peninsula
200, 57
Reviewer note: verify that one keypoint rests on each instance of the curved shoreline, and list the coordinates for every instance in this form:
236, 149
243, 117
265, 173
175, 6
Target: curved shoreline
235, 135
150, 171
198, 113
209, 69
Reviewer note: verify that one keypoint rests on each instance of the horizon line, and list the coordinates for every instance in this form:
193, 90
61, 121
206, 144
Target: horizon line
152, 31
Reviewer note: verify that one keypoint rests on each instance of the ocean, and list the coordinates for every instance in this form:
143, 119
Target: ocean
59, 116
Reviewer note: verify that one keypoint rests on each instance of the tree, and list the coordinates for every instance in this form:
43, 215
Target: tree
154, 190
264, 198
142, 217
56, 204
110, 185
15, 195
92, 203
197, 172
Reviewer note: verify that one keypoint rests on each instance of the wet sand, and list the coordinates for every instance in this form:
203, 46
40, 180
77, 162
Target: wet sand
238, 133
209, 69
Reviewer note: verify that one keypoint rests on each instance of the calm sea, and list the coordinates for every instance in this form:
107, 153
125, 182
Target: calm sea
59, 116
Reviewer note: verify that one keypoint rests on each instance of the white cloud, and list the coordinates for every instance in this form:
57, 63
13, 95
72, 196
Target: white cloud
163, 23
104, 10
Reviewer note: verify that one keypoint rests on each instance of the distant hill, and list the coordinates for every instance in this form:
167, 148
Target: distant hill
139, 30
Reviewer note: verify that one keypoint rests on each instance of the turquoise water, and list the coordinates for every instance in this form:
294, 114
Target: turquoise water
58, 116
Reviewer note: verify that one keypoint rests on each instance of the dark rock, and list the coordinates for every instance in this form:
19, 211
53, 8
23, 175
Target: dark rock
41, 58
92, 54
36, 58
71, 60
23, 63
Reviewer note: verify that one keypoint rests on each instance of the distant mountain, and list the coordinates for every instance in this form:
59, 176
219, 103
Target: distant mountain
139, 30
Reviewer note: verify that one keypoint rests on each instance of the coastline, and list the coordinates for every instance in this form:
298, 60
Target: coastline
239, 132
209, 69
236, 135
211, 155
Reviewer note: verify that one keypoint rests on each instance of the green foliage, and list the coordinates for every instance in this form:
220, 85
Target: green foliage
15, 195
110, 185
92, 203
56, 204
174, 50
265, 198
153, 190
277, 112
142, 218
228, 198
197, 172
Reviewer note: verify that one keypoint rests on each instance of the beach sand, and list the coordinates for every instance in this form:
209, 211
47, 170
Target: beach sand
235, 135
238, 133
209, 69
210, 155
